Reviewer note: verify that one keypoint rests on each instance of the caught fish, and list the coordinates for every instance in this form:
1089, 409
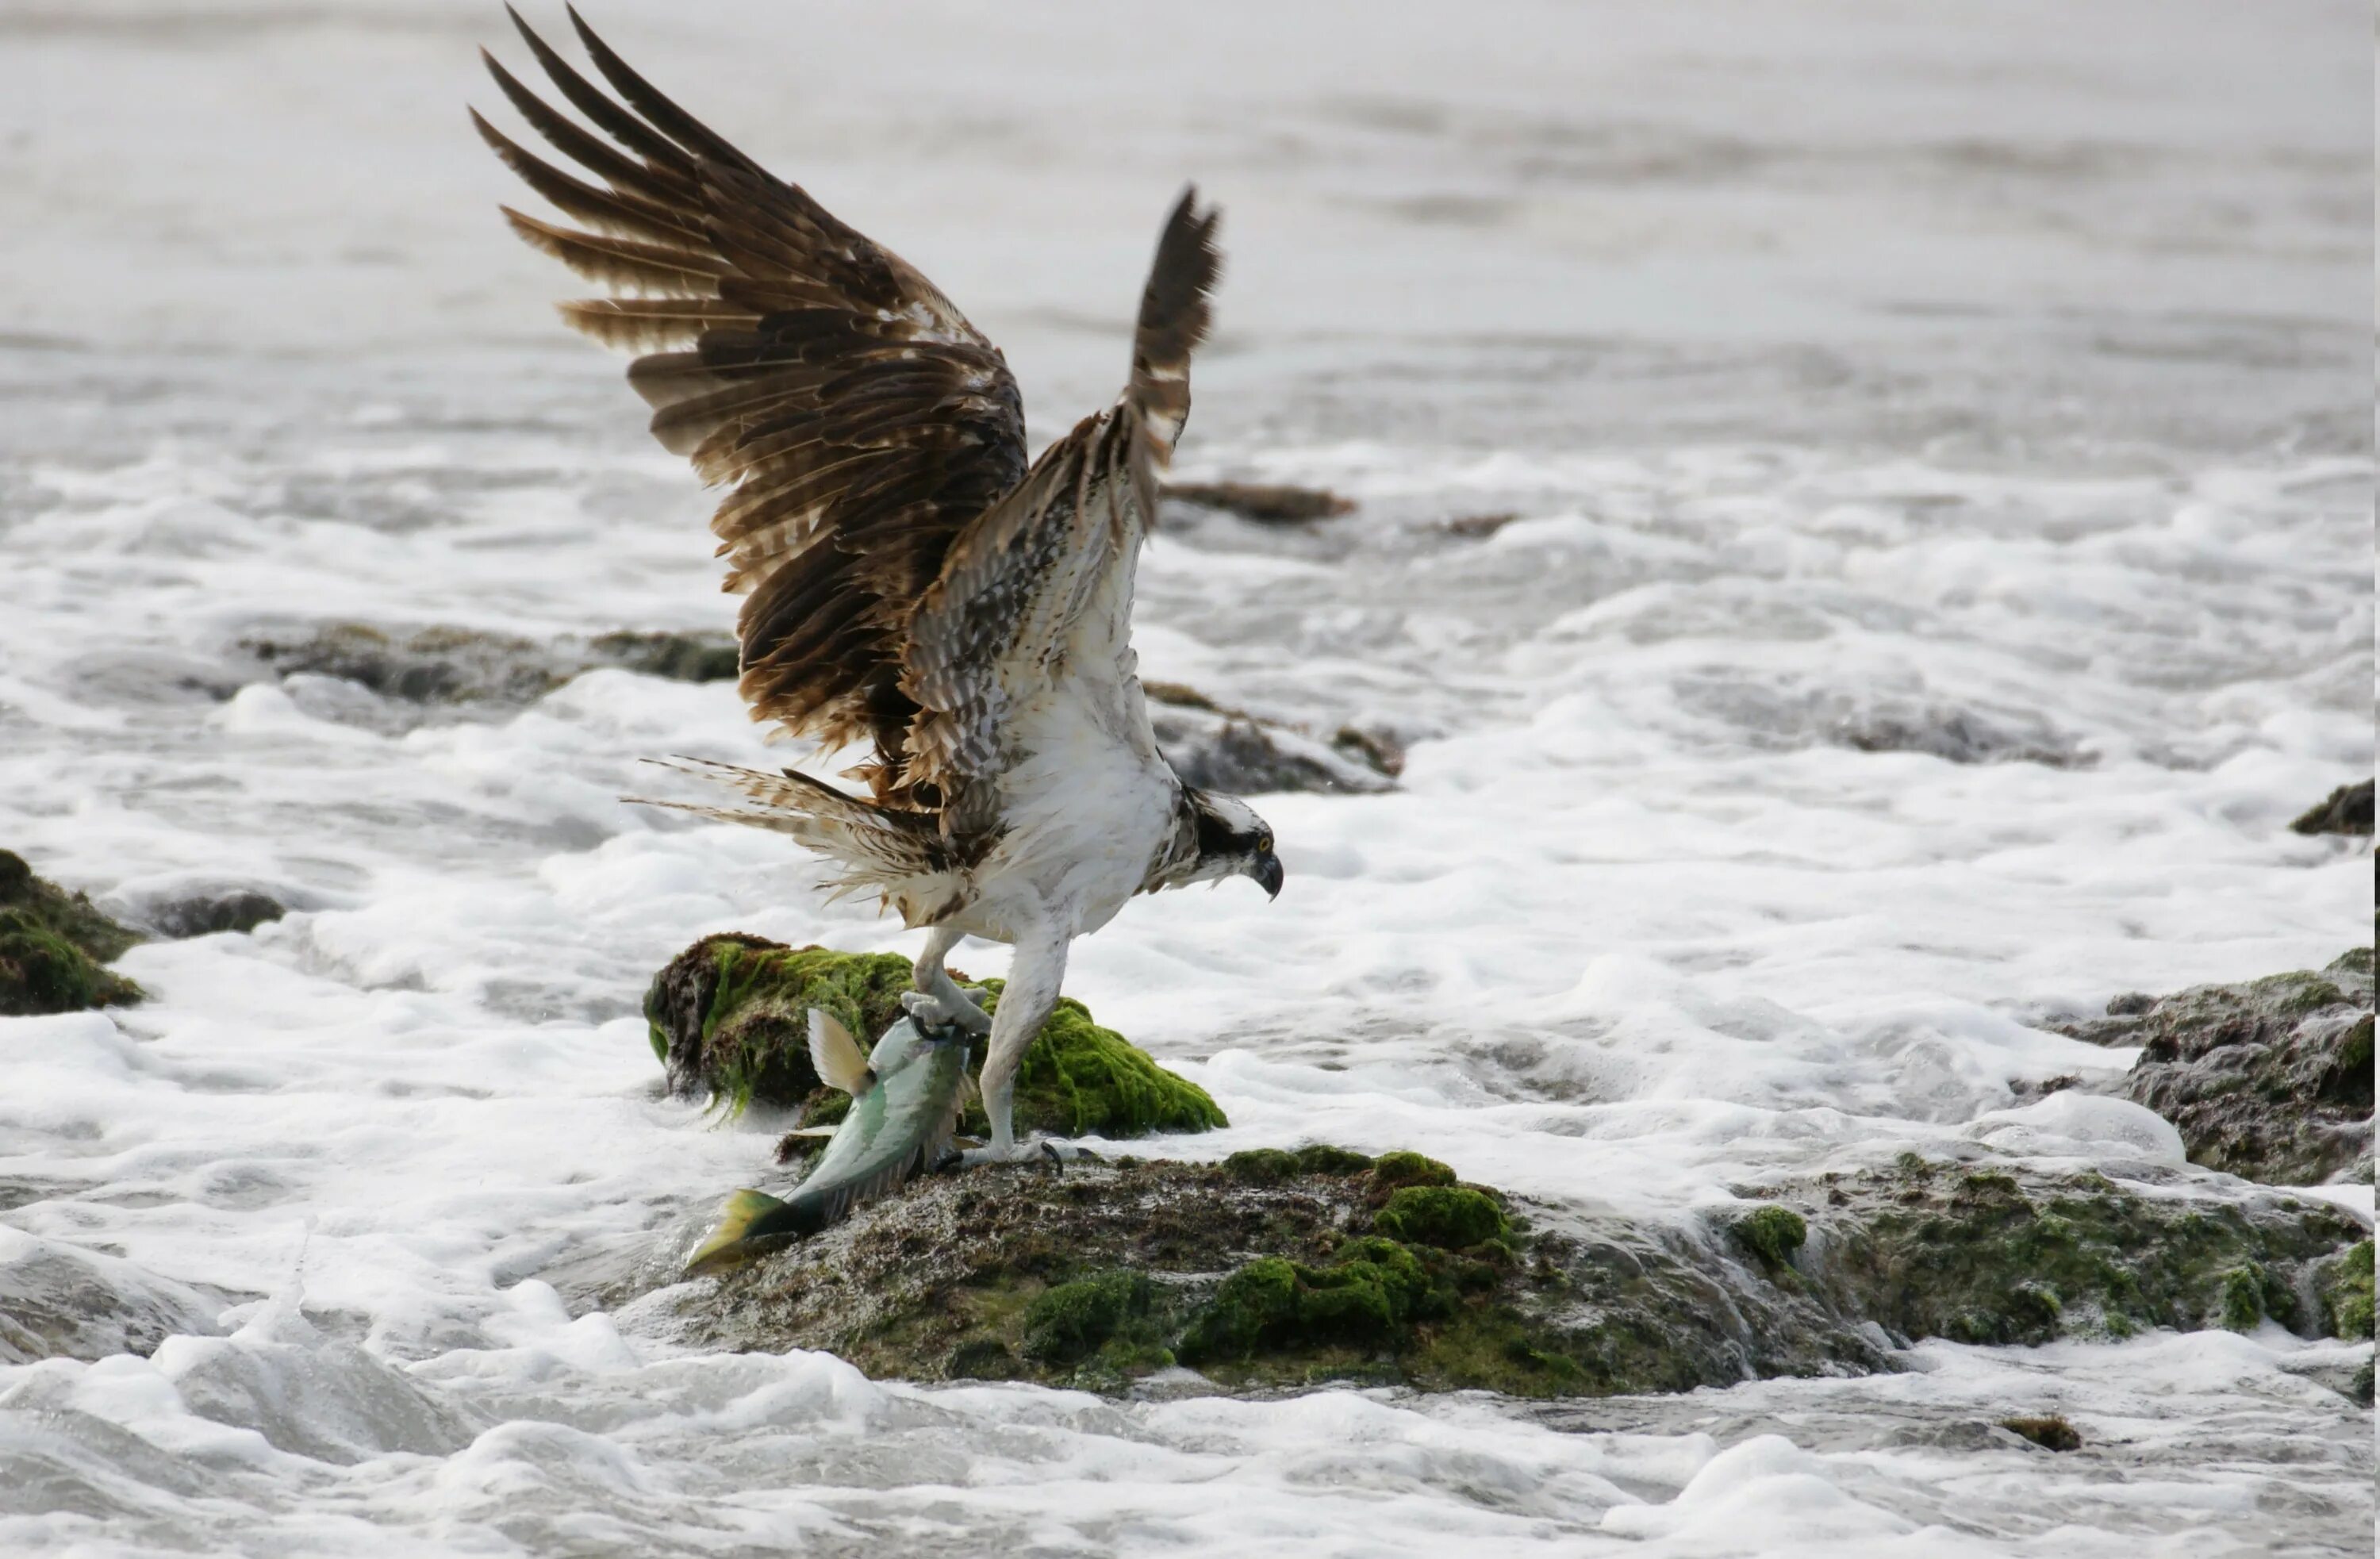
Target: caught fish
906, 1100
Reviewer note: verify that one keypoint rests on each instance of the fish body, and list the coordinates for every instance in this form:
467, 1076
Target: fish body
906, 1096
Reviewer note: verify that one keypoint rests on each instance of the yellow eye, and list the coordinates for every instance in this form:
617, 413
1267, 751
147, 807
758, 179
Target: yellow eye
1263, 843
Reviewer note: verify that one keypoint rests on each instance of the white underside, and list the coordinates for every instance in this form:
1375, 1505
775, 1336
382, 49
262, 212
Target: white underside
1086, 801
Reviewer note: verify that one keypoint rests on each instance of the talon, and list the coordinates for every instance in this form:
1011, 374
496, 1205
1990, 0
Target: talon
1042, 1150
940, 1012
931, 1012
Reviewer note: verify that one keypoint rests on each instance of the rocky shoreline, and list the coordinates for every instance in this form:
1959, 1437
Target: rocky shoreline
1284, 1267
1278, 1269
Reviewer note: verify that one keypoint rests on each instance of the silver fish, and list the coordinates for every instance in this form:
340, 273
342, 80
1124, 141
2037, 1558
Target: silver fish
907, 1096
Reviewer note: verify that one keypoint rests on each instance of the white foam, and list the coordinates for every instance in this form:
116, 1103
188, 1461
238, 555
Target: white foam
1869, 399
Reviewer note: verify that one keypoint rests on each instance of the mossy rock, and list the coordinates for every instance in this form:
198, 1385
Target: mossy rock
2051, 1431
1069, 1323
1993, 1255
1285, 1268
1257, 1273
2347, 809
1448, 1217
1370, 1289
1772, 1232
55, 948
1270, 1166
2344, 1288
728, 1020
1393, 1172
2269, 1079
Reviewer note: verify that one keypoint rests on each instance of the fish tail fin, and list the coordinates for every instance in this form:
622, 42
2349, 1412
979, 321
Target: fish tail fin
736, 1215
836, 1054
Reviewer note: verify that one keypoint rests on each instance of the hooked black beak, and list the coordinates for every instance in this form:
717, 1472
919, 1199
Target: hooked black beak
1268, 873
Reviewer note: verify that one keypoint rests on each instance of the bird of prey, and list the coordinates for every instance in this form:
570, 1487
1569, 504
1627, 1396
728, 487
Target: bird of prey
911, 582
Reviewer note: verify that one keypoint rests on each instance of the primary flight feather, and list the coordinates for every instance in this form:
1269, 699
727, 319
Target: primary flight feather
911, 582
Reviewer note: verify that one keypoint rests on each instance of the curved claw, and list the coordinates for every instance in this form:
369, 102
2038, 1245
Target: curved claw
938, 1010
1034, 1150
932, 1012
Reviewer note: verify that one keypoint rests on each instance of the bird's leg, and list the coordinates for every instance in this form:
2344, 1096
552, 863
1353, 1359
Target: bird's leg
939, 1000
1025, 1004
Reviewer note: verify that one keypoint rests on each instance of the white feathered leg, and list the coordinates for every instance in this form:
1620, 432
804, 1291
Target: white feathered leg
939, 1000
1026, 1003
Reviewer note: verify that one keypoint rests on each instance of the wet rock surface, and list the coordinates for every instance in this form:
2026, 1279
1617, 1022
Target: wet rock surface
2270, 1080
200, 910
387, 678
1980, 1250
1281, 1269
1789, 714
55, 948
461, 665
727, 1019
2347, 809
60, 1301
1265, 502
1216, 747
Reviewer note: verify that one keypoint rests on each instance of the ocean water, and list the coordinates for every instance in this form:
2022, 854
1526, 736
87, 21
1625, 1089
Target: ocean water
1937, 454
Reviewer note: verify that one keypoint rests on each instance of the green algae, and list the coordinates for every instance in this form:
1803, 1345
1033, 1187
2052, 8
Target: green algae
1392, 1171
1283, 1269
1079, 1079
2269, 1079
2344, 1288
1271, 1304
1771, 1233
55, 948
2051, 1431
1449, 1217
1272, 1166
1069, 1323
1321, 1158
750, 1039
1991, 1261
728, 1020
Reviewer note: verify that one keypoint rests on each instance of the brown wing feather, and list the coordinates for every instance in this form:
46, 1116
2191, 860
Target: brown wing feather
985, 635
1173, 319
859, 418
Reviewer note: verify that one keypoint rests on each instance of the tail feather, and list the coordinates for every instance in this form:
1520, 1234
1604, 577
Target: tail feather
1173, 319
878, 846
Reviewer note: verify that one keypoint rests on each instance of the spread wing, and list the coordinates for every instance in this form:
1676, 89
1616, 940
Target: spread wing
858, 420
1039, 588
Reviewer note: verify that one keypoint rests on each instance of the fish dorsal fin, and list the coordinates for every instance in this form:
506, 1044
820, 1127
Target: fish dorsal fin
836, 1054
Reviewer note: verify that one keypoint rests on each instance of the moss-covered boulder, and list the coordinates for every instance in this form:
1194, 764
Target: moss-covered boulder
1287, 1267
1773, 1234
2270, 1080
1979, 1252
2342, 1288
55, 948
728, 1020
1448, 1217
2347, 809
1278, 1268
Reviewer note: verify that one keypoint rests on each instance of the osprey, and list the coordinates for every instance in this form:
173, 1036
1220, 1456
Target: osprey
913, 584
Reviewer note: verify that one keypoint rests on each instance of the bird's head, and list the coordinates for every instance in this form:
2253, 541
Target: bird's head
1233, 842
